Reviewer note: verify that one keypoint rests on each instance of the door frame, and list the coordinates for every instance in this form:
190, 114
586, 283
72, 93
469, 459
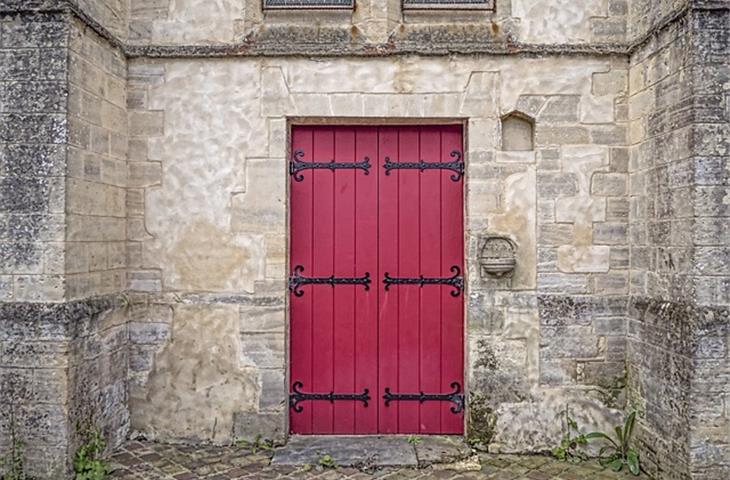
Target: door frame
377, 122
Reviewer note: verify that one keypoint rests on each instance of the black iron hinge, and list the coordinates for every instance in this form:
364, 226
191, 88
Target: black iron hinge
456, 281
298, 396
296, 280
456, 166
455, 397
296, 165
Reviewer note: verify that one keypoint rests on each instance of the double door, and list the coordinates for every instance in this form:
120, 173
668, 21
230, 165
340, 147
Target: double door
376, 280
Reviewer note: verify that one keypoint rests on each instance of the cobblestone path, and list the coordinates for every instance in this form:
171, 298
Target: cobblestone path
152, 461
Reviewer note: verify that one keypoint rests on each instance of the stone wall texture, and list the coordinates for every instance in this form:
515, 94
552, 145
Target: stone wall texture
678, 322
63, 347
143, 212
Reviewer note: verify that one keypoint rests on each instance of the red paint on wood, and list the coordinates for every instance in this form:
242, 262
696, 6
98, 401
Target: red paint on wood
346, 223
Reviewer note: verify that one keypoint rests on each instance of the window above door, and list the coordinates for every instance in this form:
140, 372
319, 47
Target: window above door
294, 4
448, 4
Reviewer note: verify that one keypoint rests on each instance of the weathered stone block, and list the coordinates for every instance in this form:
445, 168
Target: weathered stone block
263, 350
609, 184
583, 259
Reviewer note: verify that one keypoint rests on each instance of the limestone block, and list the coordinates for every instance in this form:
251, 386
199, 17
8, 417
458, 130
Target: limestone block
440, 105
518, 221
584, 161
346, 105
252, 425
481, 96
609, 134
595, 109
262, 319
560, 109
144, 174
38, 288
275, 98
196, 384
613, 82
273, 389
531, 104
583, 259
262, 208
145, 281
515, 156
542, 412
483, 134
614, 283
609, 184
146, 123
562, 283
580, 210
538, 20
277, 137
561, 135
263, 350
354, 75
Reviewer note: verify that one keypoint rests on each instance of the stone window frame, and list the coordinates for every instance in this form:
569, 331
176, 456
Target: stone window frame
446, 5
265, 7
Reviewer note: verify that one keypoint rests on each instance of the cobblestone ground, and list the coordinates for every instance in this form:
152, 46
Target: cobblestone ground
151, 461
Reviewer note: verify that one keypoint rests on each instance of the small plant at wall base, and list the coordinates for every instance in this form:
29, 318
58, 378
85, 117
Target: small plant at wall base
618, 452
257, 444
482, 421
327, 461
572, 443
12, 463
88, 462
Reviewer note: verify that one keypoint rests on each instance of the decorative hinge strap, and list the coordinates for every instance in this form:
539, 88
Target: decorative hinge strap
297, 280
298, 396
456, 165
455, 397
455, 281
296, 165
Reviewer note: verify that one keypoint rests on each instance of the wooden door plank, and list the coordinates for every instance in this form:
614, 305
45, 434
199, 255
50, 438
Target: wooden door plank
387, 262
408, 299
430, 266
366, 301
343, 333
323, 295
452, 252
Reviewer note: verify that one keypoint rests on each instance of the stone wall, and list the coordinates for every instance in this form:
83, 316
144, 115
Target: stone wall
375, 22
97, 166
193, 137
678, 324
62, 360
143, 214
33, 132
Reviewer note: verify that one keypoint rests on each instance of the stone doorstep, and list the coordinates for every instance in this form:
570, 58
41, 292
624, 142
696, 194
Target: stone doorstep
371, 450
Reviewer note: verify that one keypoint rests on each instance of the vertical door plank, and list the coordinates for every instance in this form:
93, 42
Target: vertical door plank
387, 262
430, 266
323, 266
452, 251
366, 301
408, 257
344, 266
301, 254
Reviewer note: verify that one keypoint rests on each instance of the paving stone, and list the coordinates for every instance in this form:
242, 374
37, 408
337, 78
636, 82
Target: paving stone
348, 451
209, 462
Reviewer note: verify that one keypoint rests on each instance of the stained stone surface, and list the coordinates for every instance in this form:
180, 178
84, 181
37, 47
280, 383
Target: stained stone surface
144, 200
385, 451
146, 461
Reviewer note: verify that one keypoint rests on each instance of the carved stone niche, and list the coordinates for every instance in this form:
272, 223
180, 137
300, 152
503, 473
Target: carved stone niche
497, 256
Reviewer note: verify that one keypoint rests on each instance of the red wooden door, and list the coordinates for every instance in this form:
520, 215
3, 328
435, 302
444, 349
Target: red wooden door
376, 280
